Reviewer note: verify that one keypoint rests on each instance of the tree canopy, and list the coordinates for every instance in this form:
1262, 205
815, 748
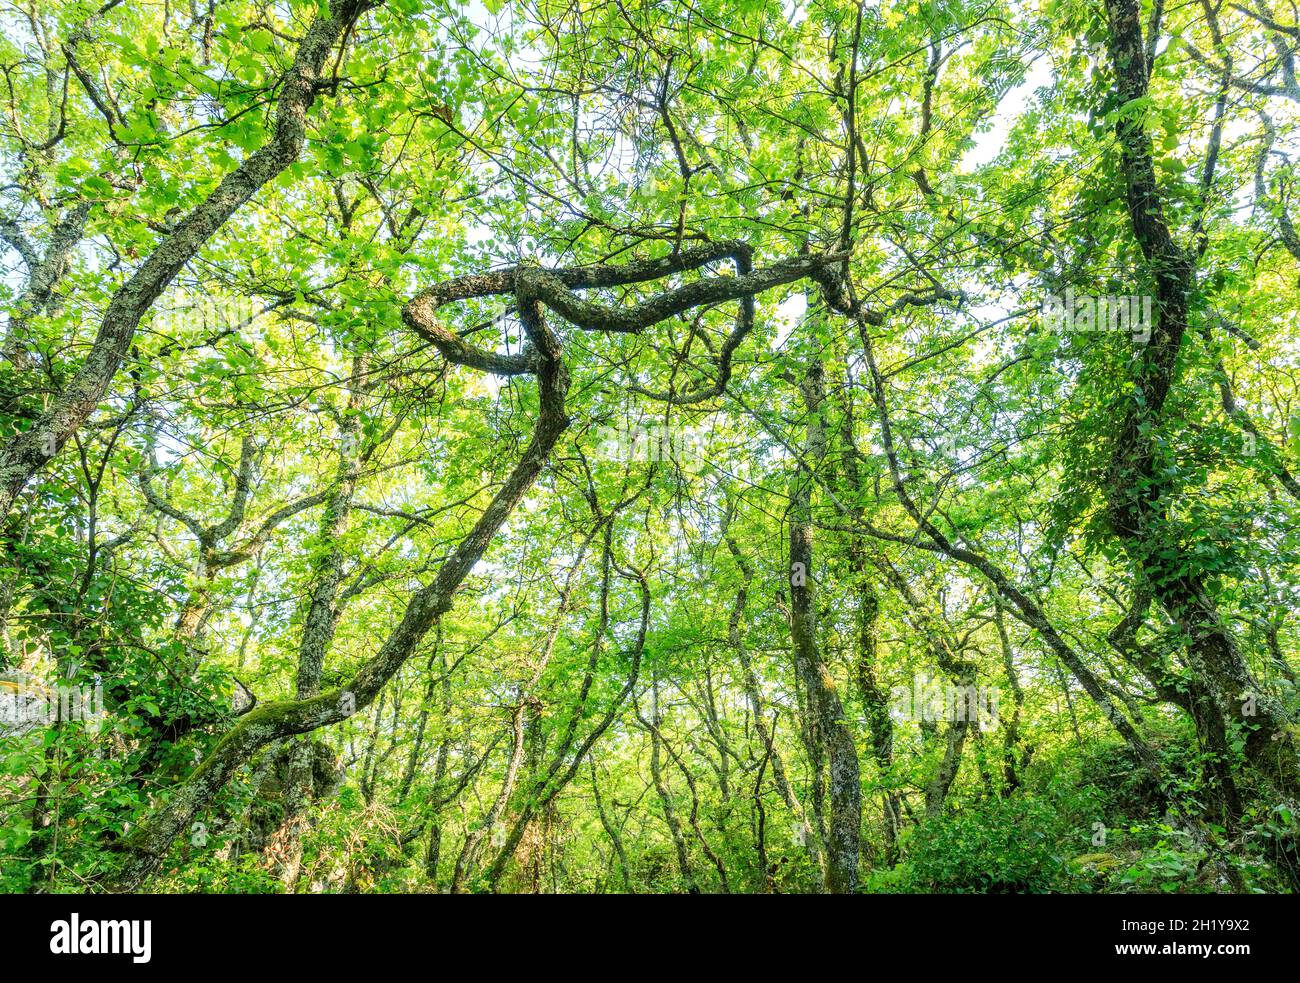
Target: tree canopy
706, 446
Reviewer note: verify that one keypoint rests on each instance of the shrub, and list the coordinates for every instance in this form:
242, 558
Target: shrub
1002, 846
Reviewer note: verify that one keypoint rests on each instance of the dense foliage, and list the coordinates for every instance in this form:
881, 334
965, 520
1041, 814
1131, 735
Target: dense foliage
660, 447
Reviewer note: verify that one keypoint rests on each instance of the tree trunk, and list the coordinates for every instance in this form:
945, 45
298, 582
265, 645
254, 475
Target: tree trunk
829, 731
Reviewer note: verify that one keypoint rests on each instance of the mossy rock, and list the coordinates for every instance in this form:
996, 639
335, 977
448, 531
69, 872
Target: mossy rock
1101, 863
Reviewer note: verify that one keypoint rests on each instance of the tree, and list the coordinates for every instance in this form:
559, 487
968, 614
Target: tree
691, 447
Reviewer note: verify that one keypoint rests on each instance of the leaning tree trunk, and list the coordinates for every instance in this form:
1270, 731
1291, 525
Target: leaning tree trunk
25, 454
1138, 490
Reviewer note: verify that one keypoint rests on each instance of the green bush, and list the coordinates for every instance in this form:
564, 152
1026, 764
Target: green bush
1002, 846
